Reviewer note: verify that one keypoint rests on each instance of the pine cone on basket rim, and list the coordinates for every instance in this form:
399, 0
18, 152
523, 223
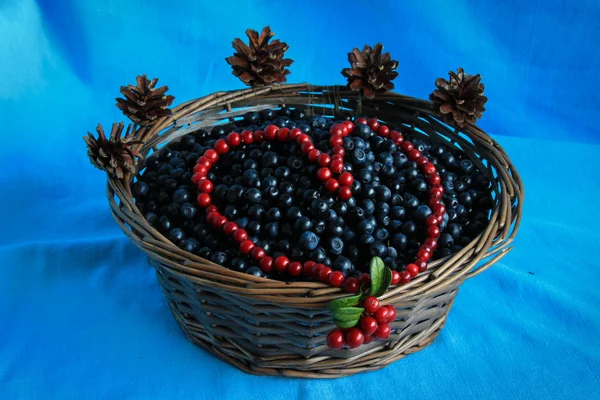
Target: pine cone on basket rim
371, 70
460, 99
143, 103
113, 154
260, 63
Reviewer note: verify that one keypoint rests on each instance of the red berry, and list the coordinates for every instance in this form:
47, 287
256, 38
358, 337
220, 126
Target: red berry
391, 313
234, 139
395, 277
421, 161
423, 254
247, 137
212, 155
429, 168
381, 315
323, 174
383, 331
306, 147
307, 268
433, 232
383, 131
211, 208
414, 154
397, 137
282, 134
351, 285
221, 146
246, 246
364, 278
344, 193
313, 155
431, 220
412, 269
371, 304
373, 124
324, 274
266, 264
210, 216
404, 277
336, 279
439, 208
202, 160
435, 179
219, 221
336, 129
240, 235
203, 199
332, 185
346, 179
360, 121
316, 270
258, 137
229, 227
355, 337
294, 269
281, 263
324, 159
336, 140
431, 242
303, 138
421, 264
258, 253
337, 166
368, 325
368, 339
338, 150
335, 339
407, 147
205, 186
270, 132
199, 175
294, 133
337, 157
349, 125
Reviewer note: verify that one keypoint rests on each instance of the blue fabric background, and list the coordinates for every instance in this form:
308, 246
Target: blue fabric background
81, 314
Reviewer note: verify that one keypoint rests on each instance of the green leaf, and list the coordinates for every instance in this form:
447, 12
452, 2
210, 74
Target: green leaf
348, 313
385, 282
345, 324
377, 275
343, 302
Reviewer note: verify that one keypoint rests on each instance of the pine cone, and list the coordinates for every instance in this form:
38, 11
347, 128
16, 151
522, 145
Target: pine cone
114, 154
261, 63
143, 104
461, 99
371, 70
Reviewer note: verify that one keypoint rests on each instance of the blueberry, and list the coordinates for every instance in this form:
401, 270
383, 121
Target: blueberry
318, 255
348, 235
336, 245
343, 265
381, 234
391, 252
319, 226
366, 239
399, 241
255, 271
358, 156
140, 189
152, 218
251, 178
366, 226
271, 192
410, 201
383, 193
445, 240
175, 235
293, 213
363, 131
466, 165
303, 224
274, 214
397, 212
270, 159
253, 228
242, 222
256, 212
382, 209
465, 199
272, 230
421, 213
335, 229
377, 249
356, 214
319, 207
164, 223
187, 211
235, 193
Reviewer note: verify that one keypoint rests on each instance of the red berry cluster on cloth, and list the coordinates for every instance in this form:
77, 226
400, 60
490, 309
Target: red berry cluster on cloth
335, 179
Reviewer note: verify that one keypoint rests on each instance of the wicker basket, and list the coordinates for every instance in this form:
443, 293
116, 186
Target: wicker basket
269, 327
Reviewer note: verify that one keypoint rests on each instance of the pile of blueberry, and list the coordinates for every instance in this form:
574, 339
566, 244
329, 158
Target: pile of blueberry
269, 189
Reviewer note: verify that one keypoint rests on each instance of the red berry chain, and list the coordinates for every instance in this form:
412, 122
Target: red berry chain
331, 173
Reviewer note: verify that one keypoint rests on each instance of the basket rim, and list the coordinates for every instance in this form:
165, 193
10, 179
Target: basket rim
222, 105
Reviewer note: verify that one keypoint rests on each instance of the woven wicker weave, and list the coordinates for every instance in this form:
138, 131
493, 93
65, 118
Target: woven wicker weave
269, 327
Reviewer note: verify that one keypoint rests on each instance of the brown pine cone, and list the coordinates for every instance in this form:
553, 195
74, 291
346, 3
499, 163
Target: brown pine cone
143, 104
461, 99
113, 155
261, 63
371, 70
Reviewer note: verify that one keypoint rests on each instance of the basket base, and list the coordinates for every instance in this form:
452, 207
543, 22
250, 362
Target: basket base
314, 369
